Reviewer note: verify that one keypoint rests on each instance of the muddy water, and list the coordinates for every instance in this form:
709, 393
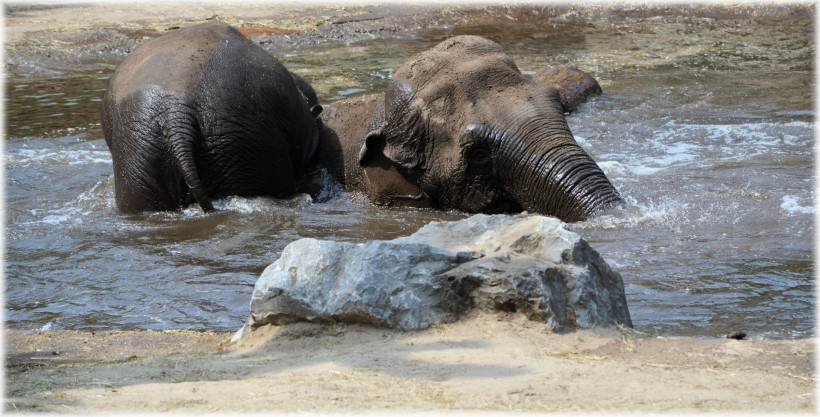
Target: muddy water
706, 128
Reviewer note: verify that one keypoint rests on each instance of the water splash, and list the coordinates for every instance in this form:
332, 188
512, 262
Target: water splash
99, 198
665, 212
250, 205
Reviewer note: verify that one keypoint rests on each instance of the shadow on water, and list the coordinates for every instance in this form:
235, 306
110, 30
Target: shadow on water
705, 127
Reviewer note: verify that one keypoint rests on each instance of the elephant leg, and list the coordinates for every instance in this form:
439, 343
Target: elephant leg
182, 133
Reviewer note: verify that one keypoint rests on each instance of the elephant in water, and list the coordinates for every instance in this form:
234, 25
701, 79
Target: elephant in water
460, 127
203, 113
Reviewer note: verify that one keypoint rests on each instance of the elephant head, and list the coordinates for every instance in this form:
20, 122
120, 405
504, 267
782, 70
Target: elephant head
461, 124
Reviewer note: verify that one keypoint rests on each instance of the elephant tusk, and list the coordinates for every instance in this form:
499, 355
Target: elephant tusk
418, 197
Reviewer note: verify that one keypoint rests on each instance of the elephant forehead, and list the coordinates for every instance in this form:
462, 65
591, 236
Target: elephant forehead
471, 43
495, 105
460, 48
435, 68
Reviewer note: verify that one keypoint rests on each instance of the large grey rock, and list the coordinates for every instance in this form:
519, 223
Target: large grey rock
524, 263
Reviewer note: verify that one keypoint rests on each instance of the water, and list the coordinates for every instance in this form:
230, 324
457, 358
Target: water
706, 128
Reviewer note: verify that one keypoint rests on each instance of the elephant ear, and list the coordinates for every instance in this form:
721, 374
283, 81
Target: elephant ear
374, 141
372, 149
558, 102
402, 129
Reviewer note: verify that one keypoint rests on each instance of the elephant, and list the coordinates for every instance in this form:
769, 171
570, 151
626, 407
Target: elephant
460, 127
574, 86
203, 113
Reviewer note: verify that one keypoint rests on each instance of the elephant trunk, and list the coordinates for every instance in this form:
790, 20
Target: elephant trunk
549, 173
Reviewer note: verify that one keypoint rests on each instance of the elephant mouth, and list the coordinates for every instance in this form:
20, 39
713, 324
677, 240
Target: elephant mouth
502, 206
489, 198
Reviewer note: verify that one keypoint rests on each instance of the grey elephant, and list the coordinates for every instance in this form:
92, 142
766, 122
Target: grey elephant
460, 127
203, 113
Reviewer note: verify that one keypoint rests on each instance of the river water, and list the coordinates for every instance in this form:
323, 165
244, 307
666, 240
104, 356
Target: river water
706, 127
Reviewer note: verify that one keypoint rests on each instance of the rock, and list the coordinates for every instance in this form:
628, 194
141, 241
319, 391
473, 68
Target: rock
524, 263
574, 86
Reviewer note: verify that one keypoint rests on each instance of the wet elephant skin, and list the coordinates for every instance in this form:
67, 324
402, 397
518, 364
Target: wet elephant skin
203, 113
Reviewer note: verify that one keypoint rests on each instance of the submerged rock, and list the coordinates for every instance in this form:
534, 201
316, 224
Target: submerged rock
524, 263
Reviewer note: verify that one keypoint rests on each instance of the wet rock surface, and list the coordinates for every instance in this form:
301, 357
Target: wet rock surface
527, 264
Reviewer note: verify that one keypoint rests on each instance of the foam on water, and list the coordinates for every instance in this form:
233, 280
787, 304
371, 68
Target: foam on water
702, 145
796, 205
25, 157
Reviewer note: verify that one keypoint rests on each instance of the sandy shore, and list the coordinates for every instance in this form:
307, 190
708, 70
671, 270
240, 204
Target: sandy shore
485, 362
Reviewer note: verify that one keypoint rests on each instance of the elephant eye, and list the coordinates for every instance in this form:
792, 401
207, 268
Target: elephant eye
479, 160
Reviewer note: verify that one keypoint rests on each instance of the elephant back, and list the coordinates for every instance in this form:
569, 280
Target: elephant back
173, 61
